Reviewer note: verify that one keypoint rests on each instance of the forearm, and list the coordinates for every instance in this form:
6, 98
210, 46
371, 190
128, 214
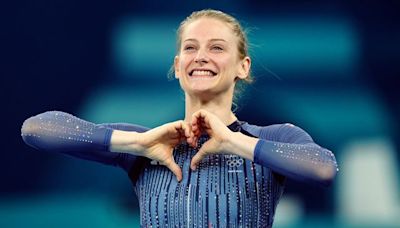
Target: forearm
60, 132
308, 162
126, 142
301, 162
290, 151
241, 145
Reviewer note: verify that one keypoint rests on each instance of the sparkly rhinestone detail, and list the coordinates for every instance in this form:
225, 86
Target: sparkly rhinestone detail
224, 191
61, 125
219, 193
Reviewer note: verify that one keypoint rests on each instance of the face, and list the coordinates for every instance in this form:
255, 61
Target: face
208, 63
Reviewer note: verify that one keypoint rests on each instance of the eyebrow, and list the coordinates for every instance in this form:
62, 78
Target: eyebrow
212, 40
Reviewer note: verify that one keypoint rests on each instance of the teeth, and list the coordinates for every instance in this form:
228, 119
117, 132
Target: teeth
202, 73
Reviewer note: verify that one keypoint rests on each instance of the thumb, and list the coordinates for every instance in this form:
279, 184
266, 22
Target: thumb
171, 165
199, 156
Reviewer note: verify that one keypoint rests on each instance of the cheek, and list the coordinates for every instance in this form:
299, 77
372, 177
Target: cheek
182, 67
228, 65
183, 63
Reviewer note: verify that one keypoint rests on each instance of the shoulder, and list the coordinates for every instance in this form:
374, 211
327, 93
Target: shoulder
285, 132
261, 131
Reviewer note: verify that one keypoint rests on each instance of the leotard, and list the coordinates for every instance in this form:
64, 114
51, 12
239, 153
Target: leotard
224, 191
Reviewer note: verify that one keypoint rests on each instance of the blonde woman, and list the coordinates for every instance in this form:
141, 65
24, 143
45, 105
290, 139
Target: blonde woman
228, 172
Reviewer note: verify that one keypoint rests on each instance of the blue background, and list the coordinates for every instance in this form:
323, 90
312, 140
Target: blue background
328, 67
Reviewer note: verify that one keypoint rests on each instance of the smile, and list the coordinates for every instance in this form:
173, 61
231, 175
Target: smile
202, 73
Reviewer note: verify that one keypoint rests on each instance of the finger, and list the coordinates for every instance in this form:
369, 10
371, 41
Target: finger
194, 127
195, 141
200, 113
191, 140
186, 128
196, 118
178, 125
198, 127
187, 134
182, 130
197, 159
194, 124
199, 156
204, 120
173, 130
196, 131
176, 170
182, 136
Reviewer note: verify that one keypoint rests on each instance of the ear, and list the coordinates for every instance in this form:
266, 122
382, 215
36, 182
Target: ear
176, 66
244, 68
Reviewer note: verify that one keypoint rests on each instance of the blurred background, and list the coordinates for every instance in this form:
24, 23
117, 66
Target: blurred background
328, 67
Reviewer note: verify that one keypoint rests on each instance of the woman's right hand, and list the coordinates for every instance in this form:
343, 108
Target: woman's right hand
156, 144
160, 142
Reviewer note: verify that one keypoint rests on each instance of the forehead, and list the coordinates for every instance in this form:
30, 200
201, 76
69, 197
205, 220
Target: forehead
207, 29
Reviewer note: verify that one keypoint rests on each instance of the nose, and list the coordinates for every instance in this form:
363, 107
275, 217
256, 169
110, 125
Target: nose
201, 57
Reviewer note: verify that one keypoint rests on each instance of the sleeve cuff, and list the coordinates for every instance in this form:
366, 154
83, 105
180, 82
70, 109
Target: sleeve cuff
266, 147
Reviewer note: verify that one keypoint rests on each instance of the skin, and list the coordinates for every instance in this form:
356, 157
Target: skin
156, 144
207, 45
210, 44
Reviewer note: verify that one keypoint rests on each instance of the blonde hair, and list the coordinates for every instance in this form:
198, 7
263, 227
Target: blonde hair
237, 30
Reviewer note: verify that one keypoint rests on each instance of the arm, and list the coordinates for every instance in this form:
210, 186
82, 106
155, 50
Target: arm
290, 151
157, 144
286, 149
64, 133
61, 132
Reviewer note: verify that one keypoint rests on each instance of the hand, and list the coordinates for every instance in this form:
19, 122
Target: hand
204, 121
158, 144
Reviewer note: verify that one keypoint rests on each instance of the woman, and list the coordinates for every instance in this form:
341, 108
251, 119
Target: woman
228, 172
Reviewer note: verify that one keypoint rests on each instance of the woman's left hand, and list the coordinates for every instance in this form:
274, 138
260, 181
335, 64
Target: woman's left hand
204, 121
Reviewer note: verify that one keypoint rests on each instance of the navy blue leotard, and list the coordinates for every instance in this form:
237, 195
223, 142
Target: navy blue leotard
225, 190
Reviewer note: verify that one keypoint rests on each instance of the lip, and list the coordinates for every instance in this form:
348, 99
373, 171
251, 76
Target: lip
202, 69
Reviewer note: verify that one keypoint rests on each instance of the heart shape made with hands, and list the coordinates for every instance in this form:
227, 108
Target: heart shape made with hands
205, 122
159, 142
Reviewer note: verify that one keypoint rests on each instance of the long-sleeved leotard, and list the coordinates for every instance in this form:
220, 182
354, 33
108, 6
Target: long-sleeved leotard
225, 190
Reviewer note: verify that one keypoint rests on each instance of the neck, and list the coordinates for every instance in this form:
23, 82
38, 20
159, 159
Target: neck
219, 106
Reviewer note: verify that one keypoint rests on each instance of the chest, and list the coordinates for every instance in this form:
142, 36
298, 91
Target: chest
224, 190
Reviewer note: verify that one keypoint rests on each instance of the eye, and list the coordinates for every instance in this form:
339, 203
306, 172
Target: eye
188, 48
217, 48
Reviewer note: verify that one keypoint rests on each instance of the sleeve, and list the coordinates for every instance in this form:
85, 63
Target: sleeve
60, 132
291, 152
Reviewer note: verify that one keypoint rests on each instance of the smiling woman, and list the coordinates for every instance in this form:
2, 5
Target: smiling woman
228, 172
209, 52
229, 38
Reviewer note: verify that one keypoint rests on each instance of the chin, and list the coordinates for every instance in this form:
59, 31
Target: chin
200, 91
201, 85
